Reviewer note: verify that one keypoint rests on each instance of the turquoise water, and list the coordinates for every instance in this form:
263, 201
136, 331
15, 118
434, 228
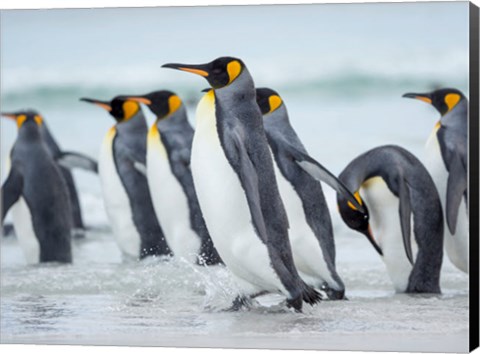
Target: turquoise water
341, 71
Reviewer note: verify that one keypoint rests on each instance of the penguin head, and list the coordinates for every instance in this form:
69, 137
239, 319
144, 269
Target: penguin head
121, 107
219, 73
357, 220
25, 117
444, 100
268, 100
161, 103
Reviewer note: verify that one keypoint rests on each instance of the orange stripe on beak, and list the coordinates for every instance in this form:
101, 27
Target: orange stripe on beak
9, 115
104, 106
195, 71
140, 100
424, 99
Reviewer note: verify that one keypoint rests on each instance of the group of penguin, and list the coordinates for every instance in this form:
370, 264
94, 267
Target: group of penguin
241, 190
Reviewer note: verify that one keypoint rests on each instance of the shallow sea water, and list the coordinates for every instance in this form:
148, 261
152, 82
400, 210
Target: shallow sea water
101, 300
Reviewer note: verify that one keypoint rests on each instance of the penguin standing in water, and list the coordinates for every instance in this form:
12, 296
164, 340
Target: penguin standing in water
125, 188
403, 218
235, 181
170, 180
311, 233
37, 193
447, 161
66, 161
69, 160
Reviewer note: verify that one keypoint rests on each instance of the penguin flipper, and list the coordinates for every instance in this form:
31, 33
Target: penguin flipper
249, 179
11, 190
72, 160
321, 174
405, 217
456, 188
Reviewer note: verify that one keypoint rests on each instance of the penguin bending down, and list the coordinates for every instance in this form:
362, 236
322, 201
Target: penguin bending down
125, 188
403, 219
66, 161
447, 161
170, 180
37, 193
235, 182
311, 233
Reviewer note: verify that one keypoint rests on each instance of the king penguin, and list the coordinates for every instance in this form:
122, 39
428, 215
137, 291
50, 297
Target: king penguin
125, 188
447, 161
235, 181
37, 193
403, 215
311, 232
169, 145
67, 161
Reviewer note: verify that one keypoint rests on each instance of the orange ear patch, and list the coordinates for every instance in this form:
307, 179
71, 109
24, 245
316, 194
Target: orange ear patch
174, 103
275, 102
38, 119
130, 108
21, 119
359, 200
234, 69
451, 100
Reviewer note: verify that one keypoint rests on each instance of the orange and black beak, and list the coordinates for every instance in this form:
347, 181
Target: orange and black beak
104, 104
425, 97
370, 237
9, 115
201, 69
140, 99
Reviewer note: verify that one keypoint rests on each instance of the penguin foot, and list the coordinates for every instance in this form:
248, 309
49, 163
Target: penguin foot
296, 303
310, 295
331, 294
239, 303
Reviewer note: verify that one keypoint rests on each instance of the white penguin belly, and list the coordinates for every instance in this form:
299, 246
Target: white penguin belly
307, 254
457, 246
385, 224
116, 201
169, 201
22, 222
225, 208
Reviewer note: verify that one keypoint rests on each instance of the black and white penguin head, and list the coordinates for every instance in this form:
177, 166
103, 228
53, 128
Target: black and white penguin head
28, 117
121, 107
219, 73
356, 219
162, 103
268, 100
444, 100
